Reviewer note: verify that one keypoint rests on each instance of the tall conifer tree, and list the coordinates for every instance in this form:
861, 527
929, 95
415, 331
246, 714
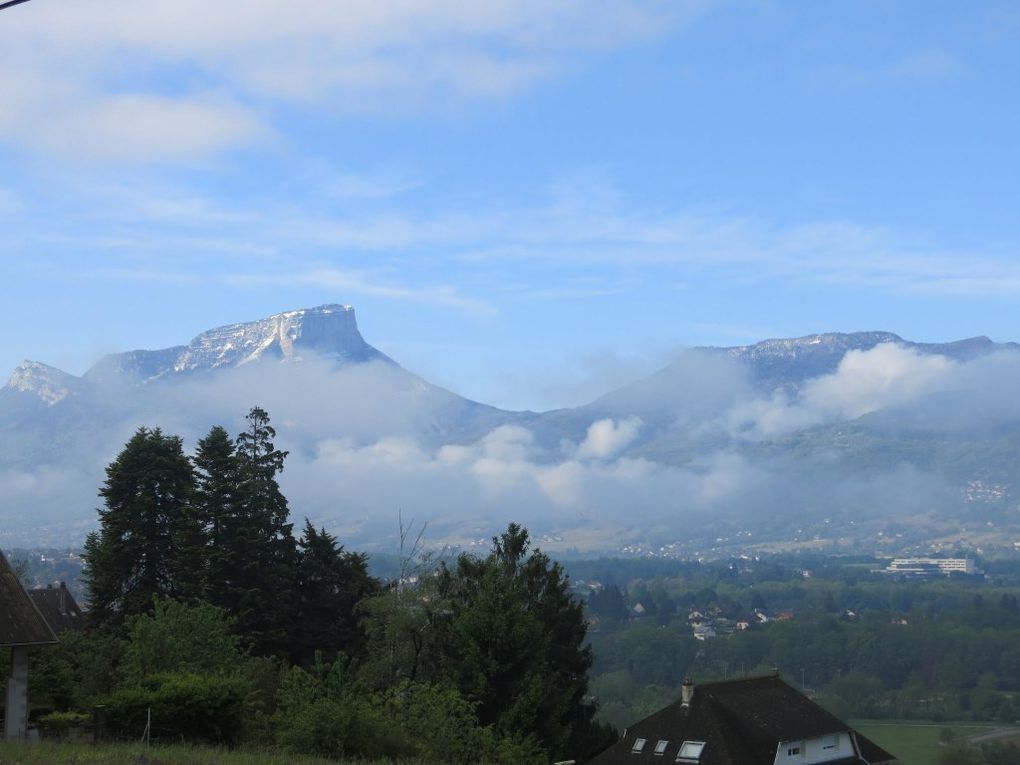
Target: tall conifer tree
331, 583
145, 546
217, 474
262, 546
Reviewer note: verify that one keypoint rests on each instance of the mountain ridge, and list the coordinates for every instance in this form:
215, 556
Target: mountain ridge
327, 331
737, 431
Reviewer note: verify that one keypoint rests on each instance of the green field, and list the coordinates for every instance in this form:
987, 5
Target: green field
915, 743
134, 754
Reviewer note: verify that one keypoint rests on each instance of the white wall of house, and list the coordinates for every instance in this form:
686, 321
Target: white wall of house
813, 750
16, 722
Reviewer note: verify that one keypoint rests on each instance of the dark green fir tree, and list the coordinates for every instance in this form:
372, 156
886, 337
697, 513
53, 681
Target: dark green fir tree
148, 538
332, 582
217, 474
262, 553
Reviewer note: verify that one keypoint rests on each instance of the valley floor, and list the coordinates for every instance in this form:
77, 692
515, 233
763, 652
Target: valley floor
916, 742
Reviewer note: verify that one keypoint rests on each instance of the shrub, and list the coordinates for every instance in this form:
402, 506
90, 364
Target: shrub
351, 727
445, 728
184, 707
59, 724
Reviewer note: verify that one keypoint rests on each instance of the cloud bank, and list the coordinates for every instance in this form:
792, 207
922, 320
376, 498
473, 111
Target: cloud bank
370, 441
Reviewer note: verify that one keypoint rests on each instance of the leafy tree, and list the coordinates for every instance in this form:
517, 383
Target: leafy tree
403, 627
181, 638
331, 583
144, 547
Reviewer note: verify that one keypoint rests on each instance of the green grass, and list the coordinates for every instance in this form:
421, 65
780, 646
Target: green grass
46, 753
915, 743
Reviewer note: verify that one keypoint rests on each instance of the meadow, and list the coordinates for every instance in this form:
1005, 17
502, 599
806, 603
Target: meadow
915, 743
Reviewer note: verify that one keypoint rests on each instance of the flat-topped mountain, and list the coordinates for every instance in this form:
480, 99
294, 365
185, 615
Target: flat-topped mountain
329, 331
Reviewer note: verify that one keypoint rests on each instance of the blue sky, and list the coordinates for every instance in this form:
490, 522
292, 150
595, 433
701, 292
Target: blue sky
526, 200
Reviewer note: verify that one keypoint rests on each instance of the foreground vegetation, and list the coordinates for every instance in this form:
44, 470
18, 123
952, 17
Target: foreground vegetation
212, 624
47, 753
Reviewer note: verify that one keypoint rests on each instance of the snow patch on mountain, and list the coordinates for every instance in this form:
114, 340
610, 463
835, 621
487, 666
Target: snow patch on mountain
48, 383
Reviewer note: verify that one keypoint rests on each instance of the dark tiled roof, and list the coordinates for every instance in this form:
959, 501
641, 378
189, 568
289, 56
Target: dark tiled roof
741, 722
58, 607
20, 621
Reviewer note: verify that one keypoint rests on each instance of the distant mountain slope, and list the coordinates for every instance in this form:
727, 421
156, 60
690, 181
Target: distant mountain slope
784, 428
791, 361
311, 369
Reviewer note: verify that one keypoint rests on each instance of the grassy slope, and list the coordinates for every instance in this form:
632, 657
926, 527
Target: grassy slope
914, 743
134, 754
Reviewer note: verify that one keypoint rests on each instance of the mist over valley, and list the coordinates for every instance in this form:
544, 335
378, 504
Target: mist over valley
847, 441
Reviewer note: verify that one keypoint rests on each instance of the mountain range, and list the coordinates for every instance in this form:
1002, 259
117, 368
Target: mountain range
790, 440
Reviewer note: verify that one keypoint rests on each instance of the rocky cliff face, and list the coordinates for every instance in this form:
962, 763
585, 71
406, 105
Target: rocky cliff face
48, 384
329, 331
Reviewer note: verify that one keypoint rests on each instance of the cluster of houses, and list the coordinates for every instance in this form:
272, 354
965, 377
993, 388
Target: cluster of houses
713, 625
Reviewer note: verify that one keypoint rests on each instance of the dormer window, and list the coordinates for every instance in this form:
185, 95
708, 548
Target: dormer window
690, 751
660, 747
794, 749
639, 744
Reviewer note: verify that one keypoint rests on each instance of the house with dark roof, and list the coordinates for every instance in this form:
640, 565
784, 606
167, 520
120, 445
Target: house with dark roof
21, 627
750, 721
58, 607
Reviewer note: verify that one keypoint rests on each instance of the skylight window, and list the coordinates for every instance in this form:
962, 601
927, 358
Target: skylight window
639, 744
660, 747
690, 751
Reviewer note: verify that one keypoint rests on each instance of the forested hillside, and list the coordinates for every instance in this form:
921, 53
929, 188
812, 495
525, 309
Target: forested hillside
863, 644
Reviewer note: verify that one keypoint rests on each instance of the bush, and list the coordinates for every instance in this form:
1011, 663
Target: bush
350, 727
184, 708
59, 724
444, 726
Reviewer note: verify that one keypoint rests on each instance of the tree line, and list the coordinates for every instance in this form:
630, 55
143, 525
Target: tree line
864, 646
207, 610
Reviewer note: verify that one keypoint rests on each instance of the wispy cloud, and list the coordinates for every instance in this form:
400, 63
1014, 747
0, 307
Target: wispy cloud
924, 65
179, 79
360, 283
477, 258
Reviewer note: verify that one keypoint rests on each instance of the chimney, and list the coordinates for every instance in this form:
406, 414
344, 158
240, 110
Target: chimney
686, 692
63, 598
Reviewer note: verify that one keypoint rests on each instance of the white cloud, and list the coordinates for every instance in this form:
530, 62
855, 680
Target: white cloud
888, 375
92, 69
608, 437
